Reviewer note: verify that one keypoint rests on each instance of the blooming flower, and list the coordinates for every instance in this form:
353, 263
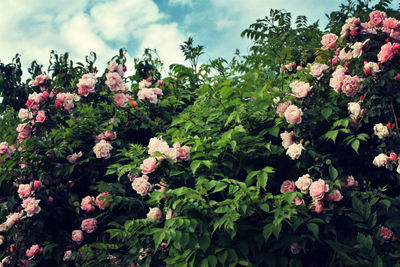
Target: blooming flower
386, 233
101, 200
77, 236
338, 76
102, 149
154, 214
121, 99
148, 165
282, 107
294, 151
114, 81
288, 186
386, 53
183, 151
318, 69
329, 41
87, 204
141, 185
24, 190
350, 85
335, 196
381, 160
293, 114
381, 131
287, 138
89, 225
303, 183
31, 206
74, 157
86, 84
40, 117
32, 251
318, 189
300, 89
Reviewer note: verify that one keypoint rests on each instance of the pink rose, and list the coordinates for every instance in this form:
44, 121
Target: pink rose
77, 236
183, 151
386, 233
89, 225
40, 117
300, 89
74, 157
24, 190
392, 27
37, 184
343, 55
12, 218
381, 160
109, 135
148, 165
303, 183
386, 53
102, 149
288, 186
295, 248
5, 149
318, 189
141, 185
24, 114
298, 201
318, 69
293, 114
376, 18
31, 206
318, 206
101, 200
335, 196
86, 84
115, 67
329, 41
24, 131
67, 255
40, 79
351, 25
61, 97
157, 145
87, 204
282, 107
350, 182
32, 251
154, 214
114, 81
149, 94
287, 138
337, 78
121, 99
350, 85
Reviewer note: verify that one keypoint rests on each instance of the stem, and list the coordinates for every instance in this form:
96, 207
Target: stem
395, 118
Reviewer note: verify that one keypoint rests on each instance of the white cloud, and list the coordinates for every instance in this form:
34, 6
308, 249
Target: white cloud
180, 2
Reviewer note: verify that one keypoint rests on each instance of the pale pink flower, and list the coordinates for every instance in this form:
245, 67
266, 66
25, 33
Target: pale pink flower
67, 255
31, 206
282, 107
293, 114
102, 149
287, 138
294, 151
37, 97
350, 85
376, 18
32, 251
318, 189
371, 68
158, 145
338, 76
317, 206
87, 204
12, 218
392, 27
5, 149
317, 70
25, 114
74, 157
40, 117
144, 84
386, 53
101, 200
334, 196
329, 41
154, 214
357, 49
351, 25
77, 236
24, 190
141, 185
114, 81
149, 94
288, 186
386, 233
109, 135
295, 248
86, 84
148, 165
24, 131
298, 201
343, 55
303, 183
183, 151
41, 79
300, 89
350, 182
61, 97
381, 130
89, 225
115, 67
121, 99
381, 160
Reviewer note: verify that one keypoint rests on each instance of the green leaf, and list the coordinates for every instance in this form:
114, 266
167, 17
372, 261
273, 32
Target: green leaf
262, 179
204, 242
355, 144
333, 173
326, 113
313, 228
212, 260
194, 165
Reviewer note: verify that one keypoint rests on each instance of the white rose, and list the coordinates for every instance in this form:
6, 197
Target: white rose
380, 160
294, 151
381, 130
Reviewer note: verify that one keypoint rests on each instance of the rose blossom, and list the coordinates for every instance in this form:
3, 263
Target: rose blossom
37, 97
115, 67
24, 190
381, 160
154, 214
376, 18
121, 99
86, 84
350, 182
303, 183
5, 149
170, 214
337, 78
298, 201
37, 184
350, 85
282, 107
87, 204
351, 25
24, 114
295, 248
329, 41
148, 165
317, 206
288, 186
77, 236
114, 81
89, 225
101, 200
354, 108
318, 69
32, 251
300, 89
141, 185
144, 84
386, 233
74, 157
31, 206
371, 68
318, 189
287, 138
40, 79
392, 27
149, 94
102, 149
335, 196
294, 151
183, 151
357, 49
381, 130
386, 53
40, 117
24, 131
67, 255
293, 114
12, 218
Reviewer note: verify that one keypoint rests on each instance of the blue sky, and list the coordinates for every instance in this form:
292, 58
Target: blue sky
34, 28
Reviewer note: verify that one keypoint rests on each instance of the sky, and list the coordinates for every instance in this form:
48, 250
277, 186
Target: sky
35, 28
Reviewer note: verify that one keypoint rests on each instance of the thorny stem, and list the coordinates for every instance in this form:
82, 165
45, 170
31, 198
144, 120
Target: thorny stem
395, 118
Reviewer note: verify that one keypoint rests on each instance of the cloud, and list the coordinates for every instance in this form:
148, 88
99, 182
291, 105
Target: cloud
180, 2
